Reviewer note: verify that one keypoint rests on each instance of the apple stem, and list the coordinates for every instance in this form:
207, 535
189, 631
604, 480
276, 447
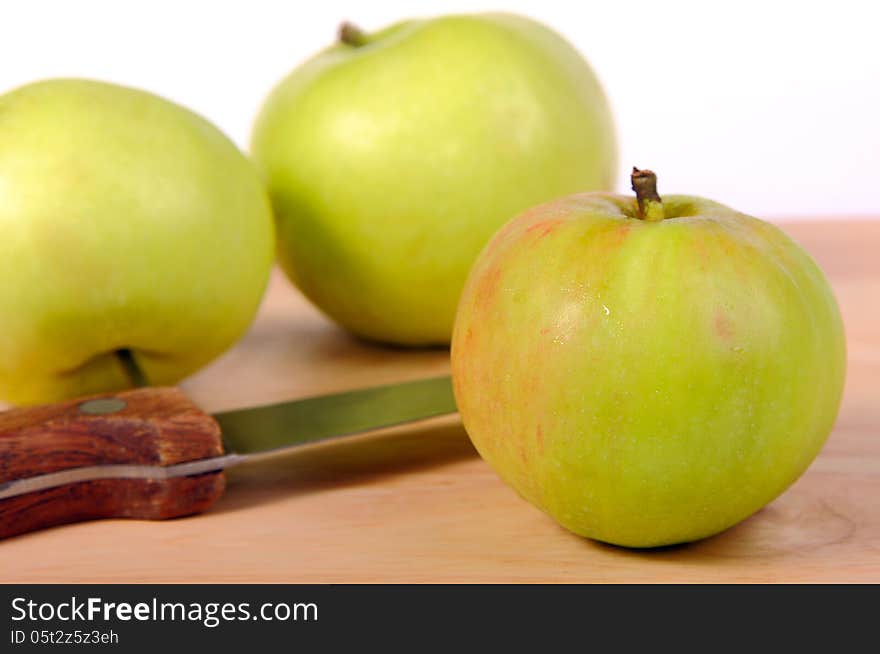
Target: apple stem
136, 376
352, 35
644, 183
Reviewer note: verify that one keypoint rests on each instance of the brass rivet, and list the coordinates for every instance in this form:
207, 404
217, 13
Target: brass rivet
103, 405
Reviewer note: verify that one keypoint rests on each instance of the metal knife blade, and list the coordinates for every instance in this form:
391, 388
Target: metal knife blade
257, 431
289, 424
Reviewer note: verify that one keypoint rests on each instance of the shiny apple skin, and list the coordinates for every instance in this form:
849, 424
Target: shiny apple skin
126, 222
647, 384
392, 164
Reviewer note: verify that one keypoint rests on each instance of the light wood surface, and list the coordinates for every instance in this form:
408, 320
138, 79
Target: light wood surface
416, 503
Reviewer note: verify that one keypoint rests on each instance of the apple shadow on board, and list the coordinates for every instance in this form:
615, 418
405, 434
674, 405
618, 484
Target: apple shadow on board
792, 524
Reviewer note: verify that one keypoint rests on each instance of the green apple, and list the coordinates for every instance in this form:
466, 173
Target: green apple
129, 224
647, 372
391, 158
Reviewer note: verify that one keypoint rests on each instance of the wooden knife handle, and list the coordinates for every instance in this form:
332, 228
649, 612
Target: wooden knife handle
148, 426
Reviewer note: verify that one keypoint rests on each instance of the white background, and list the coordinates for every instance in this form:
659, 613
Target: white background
770, 107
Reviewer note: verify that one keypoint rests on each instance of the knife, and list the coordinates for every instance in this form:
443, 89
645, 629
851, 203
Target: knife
151, 453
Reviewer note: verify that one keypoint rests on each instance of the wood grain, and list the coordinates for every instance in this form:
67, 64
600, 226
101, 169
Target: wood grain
416, 504
155, 426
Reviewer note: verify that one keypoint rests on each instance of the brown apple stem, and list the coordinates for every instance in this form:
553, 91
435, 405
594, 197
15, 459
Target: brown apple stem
644, 183
352, 35
132, 370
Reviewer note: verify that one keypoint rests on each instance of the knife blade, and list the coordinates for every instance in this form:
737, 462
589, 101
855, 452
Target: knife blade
95, 446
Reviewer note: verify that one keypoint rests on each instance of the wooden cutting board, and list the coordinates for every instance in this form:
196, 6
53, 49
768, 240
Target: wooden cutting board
416, 503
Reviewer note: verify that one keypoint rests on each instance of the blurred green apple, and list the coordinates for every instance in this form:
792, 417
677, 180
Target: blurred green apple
647, 372
391, 158
128, 224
